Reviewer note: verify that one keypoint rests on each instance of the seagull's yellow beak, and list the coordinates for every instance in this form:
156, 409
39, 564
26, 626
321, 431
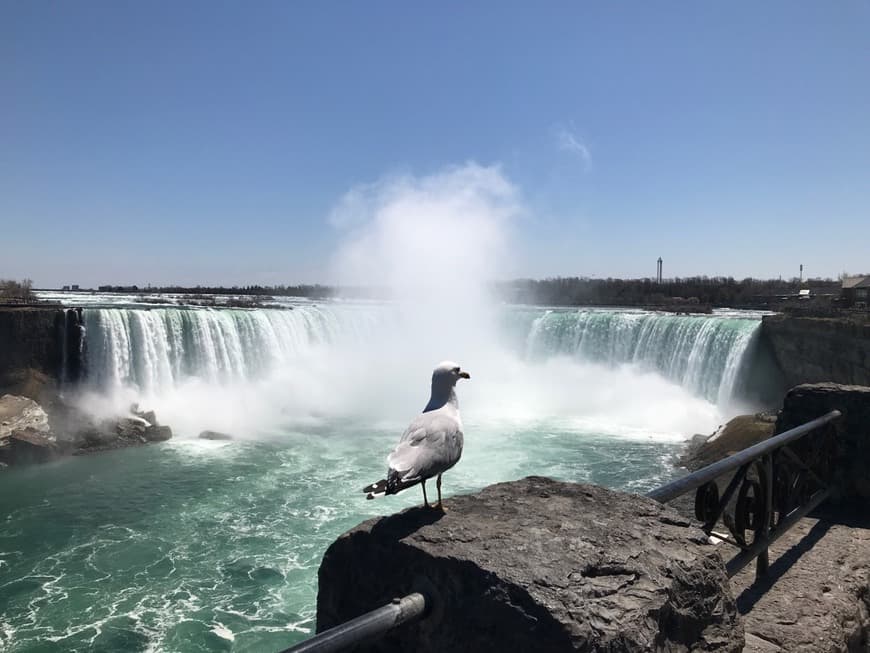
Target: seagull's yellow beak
464, 375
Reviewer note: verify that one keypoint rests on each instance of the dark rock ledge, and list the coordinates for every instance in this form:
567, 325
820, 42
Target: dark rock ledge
537, 565
28, 434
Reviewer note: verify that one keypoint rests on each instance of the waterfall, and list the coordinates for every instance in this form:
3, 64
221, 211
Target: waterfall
157, 348
704, 354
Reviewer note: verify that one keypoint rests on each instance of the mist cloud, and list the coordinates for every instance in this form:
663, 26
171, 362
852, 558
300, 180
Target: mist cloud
447, 232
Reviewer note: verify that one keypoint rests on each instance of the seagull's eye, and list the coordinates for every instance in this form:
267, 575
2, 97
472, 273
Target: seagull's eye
456, 370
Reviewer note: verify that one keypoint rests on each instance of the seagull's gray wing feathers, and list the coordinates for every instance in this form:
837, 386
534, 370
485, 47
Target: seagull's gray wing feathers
430, 445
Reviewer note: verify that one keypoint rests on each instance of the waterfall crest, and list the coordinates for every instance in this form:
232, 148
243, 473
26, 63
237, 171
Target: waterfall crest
704, 354
157, 348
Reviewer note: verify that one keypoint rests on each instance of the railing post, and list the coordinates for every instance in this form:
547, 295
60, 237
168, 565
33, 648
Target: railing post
767, 515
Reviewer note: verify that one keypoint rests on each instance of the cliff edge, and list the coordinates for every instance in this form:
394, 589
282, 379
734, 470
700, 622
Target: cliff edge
537, 565
816, 349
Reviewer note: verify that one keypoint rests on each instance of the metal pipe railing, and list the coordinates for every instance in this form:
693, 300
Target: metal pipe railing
743, 558
755, 506
704, 475
368, 626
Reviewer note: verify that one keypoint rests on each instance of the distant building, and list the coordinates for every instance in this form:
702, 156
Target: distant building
75, 286
65, 288
855, 291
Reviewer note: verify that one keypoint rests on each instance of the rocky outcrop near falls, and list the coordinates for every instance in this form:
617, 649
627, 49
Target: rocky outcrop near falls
537, 565
27, 436
19, 413
739, 433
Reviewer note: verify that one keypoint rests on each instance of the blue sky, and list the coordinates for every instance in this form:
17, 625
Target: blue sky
209, 142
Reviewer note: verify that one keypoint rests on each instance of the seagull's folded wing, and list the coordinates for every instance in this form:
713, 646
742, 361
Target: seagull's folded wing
425, 447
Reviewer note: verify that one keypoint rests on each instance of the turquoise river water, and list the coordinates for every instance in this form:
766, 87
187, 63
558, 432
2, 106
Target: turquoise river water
195, 545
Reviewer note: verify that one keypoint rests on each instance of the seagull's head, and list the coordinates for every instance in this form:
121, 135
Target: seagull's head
447, 374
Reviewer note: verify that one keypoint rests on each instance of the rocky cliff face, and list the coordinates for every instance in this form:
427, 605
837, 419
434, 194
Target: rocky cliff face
537, 565
38, 343
812, 350
31, 338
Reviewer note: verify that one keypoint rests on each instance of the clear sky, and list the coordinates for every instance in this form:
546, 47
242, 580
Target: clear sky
210, 142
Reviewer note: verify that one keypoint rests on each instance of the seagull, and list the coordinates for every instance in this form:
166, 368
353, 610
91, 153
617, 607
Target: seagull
431, 444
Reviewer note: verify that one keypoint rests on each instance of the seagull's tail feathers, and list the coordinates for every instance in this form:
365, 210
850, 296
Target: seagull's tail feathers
390, 485
374, 490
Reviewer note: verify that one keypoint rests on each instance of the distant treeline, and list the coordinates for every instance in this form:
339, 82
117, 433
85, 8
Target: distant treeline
315, 291
560, 291
16, 292
715, 291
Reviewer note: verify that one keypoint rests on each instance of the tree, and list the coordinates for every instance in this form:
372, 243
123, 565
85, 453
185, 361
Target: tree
16, 292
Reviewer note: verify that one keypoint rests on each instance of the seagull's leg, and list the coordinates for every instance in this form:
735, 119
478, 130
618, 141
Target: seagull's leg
438, 485
425, 500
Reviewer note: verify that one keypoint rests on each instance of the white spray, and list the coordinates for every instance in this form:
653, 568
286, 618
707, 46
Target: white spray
436, 242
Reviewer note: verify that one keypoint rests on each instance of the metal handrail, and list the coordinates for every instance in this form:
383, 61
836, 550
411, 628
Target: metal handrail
704, 475
743, 558
755, 507
367, 626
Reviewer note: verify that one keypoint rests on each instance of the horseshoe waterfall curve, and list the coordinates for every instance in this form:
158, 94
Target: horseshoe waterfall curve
710, 356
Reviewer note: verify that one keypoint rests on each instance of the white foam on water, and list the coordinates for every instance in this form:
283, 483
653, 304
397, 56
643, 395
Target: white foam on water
223, 632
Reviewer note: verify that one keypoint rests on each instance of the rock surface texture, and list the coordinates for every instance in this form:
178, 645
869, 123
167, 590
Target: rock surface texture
849, 437
816, 597
30, 435
25, 434
537, 565
811, 350
739, 433
19, 413
215, 435
35, 334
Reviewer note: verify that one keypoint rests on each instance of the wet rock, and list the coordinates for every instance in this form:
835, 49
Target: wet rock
149, 415
25, 435
131, 428
158, 433
118, 433
537, 565
739, 433
95, 436
214, 435
28, 446
19, 413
